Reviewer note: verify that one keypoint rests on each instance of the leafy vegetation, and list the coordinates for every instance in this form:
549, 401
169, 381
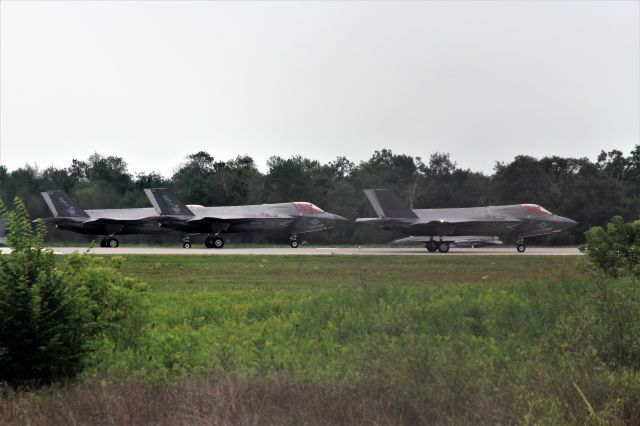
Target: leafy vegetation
588, 191
52, 312
414, 340
616, 250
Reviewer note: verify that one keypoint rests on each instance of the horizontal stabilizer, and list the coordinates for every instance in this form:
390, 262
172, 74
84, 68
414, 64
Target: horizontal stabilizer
166, 203
61, 205
387, 204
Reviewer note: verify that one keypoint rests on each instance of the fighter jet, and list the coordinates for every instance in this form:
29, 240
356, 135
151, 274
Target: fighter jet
296, 217
439, 229
107, 222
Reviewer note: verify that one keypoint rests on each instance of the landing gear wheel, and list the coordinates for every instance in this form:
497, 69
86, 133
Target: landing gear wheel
443, 247
218, 242
294, 244
208, 242
113, 243
103, 242
186, 244
431, 246
521, 248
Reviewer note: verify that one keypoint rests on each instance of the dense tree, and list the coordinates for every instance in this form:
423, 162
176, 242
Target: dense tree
190, 180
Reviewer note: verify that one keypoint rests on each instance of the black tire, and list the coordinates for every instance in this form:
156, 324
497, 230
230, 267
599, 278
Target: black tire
431, 246
521, 248
294, 244
208, 242
443, 247
103, 242
186, 245
218, 243
113, 243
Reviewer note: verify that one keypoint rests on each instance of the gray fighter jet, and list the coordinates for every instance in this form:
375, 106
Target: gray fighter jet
296, 217
107, 222
439, 229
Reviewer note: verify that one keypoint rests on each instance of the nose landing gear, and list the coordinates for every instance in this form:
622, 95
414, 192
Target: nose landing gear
293, 241
520, 247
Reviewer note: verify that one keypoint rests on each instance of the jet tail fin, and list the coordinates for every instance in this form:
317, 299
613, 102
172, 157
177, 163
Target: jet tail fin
387, 204
166, 203
61, 205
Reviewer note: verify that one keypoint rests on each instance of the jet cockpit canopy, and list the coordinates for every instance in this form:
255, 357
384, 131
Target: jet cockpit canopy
305, 207
535, 210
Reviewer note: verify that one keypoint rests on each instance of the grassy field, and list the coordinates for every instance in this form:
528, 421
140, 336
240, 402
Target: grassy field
361, 339
188, 272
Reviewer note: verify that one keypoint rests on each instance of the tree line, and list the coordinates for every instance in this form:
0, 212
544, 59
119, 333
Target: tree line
590, 192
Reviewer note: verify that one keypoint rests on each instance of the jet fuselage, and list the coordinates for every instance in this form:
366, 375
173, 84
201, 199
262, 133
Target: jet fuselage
509, 221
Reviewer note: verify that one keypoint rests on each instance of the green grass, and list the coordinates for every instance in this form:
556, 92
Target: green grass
188, 272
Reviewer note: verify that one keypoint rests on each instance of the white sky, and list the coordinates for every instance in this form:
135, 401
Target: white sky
155, 81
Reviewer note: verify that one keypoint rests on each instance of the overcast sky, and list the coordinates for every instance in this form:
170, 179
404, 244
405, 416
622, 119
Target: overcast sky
155, 81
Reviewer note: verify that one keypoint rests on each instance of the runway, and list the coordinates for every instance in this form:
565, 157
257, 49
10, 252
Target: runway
302, 251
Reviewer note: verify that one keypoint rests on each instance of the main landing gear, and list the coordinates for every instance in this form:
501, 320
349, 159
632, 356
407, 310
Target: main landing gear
441, 246
213, 241
293, 241
109, 242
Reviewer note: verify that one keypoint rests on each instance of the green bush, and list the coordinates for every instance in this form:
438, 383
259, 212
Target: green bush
54, 310
608, 322
616, 250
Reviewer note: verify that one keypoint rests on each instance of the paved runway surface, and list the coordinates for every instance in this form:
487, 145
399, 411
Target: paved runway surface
417, 251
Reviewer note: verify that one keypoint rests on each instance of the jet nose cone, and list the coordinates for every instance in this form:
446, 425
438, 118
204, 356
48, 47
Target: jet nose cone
339, 218
566, 222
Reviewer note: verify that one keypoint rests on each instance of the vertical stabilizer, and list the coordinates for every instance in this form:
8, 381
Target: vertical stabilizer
166, 203
61, 205
387, 204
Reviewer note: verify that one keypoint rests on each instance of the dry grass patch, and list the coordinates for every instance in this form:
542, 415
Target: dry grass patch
211, 400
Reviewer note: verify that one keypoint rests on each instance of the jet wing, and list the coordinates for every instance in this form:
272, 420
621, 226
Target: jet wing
121, 221
444, 227
385, 221
440, 227
100, 221
232, 219
221, 223
457, 241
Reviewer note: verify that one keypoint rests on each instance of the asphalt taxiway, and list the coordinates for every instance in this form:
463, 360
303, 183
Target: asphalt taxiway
301, 251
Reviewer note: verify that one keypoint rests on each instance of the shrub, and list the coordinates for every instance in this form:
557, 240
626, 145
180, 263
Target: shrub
616, 250
51, 315
610, 323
